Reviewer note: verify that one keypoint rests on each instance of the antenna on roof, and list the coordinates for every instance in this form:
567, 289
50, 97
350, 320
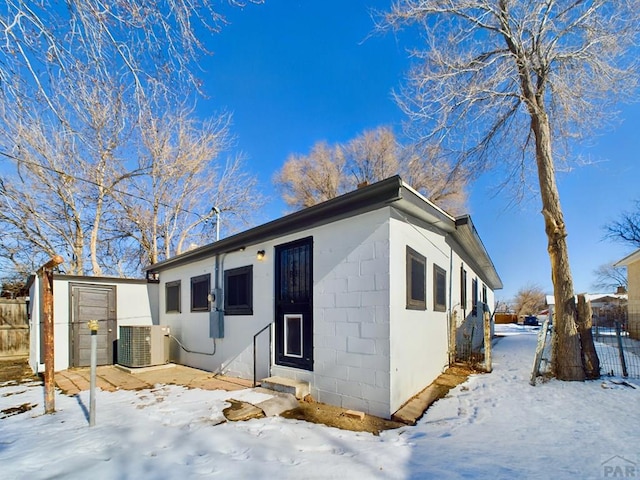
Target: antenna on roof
216, 212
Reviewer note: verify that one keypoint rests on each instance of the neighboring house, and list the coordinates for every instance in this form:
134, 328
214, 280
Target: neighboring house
353, 295
608, 308
78, 299
632, 262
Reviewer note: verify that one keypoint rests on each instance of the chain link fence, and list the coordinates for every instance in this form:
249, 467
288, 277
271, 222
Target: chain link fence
619, 354
467, 339
617, 341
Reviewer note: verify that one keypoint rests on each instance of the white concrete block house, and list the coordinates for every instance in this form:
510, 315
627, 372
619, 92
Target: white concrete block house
352, 295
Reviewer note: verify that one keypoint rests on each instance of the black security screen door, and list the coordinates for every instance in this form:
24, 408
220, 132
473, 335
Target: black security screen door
294, 303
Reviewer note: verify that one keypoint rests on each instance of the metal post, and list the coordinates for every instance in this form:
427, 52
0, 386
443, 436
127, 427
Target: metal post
623, 362
216, 212
93, 326
46, 275
487, 342
453, 324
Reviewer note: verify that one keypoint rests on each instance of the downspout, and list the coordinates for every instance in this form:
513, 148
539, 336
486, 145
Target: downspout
450, 336
450, 280
216, 313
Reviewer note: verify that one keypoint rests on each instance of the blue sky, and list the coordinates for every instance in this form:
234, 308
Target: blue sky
297, 72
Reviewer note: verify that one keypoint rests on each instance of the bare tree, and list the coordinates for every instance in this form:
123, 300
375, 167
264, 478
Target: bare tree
65, 172
171, 206
609, 278
529, 300
77, 82
503, 306
441, 181
39, 205
372, 156
626, 228
103, 130
508, 81
329, 171
307, 180
154, 44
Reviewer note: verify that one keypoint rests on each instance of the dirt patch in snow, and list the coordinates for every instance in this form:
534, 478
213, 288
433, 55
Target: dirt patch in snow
14, 371
331, 416
8, 412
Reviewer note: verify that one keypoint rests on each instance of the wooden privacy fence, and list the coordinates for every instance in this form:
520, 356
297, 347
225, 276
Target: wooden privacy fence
14, 328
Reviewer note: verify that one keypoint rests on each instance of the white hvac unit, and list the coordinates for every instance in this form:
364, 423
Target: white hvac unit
143, 345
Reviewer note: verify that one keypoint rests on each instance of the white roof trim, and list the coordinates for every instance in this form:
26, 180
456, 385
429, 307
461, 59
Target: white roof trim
629, 259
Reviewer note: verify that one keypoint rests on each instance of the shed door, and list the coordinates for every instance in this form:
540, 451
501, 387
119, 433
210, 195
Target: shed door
92, 302
294, 304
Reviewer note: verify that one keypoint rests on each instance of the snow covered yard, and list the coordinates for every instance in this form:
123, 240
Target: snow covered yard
493, 426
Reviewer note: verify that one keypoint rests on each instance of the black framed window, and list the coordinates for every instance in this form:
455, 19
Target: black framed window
172, 297
474, 296
439, 289
416, 280
484, 294
238, 291
463, 288
200, 288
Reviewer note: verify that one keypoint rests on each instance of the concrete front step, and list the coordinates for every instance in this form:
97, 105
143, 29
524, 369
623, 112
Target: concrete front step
286, 385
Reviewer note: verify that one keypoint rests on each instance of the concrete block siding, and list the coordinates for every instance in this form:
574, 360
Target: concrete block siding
370, 352
351, 316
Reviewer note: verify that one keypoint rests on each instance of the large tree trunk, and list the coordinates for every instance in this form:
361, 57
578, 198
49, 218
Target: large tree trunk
566, 348
95, 231
590, 358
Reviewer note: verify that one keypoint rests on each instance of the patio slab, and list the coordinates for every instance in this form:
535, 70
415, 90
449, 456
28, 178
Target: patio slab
112, 378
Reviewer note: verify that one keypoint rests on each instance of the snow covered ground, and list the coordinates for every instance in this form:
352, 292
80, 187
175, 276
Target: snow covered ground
493, 426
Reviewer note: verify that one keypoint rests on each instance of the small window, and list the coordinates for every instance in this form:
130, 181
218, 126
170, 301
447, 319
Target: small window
439, 289
172, 297
474, 296
293, 335
238, 291
416, 280
200, 287
463, 288
484, 294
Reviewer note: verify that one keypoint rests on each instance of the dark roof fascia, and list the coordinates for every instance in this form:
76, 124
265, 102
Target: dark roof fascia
467, 235
89, 279
391, 191
350, 204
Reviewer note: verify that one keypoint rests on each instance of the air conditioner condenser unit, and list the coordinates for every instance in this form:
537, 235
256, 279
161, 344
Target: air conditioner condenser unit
143, 345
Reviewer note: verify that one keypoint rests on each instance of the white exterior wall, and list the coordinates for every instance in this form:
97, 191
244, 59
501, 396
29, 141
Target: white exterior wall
133, 307
234, 352
419, 338
351, 314
370, 353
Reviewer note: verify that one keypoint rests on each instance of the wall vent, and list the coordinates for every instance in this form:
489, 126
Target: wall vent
143, 345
